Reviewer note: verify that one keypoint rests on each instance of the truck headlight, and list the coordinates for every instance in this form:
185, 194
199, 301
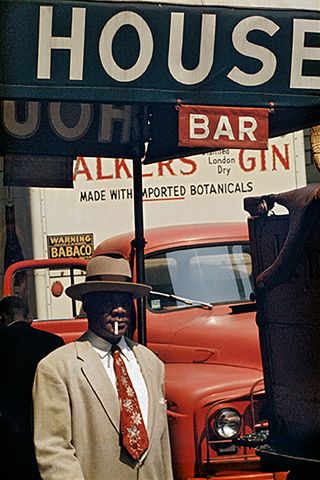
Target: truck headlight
227, 423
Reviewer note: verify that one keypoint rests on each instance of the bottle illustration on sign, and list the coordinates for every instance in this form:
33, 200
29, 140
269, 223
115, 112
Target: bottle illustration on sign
13, 251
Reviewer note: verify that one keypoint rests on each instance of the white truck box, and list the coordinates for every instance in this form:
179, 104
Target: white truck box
51, 223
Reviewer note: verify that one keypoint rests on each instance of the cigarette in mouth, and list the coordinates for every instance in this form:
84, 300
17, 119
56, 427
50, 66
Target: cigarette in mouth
116, 328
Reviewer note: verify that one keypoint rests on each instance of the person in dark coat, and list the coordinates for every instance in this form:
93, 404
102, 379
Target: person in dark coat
21, 348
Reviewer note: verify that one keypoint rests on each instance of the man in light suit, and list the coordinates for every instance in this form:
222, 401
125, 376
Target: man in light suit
77, 412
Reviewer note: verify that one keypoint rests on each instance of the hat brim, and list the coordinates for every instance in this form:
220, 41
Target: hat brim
77, 290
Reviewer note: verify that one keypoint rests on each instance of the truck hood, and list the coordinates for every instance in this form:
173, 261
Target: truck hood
211, 337
187, 384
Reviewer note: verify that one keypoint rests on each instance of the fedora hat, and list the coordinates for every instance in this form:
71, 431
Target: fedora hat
107, 274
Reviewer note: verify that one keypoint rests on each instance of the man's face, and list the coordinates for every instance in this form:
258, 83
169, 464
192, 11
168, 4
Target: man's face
109, 314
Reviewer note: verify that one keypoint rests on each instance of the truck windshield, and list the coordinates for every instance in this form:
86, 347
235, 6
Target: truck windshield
215, 274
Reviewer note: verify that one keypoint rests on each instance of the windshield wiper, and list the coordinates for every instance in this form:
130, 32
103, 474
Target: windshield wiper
187, 301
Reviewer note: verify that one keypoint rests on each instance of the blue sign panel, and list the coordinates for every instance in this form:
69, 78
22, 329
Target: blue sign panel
159, 52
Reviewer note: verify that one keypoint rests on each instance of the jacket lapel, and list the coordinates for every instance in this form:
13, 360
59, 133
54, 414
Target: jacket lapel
99, 381
96, 376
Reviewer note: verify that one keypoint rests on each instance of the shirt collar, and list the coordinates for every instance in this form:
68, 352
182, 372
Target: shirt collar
103, 347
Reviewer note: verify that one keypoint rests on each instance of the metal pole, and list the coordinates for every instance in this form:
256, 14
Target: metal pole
139, 241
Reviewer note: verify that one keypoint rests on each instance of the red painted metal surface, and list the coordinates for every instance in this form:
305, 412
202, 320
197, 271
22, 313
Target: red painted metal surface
212, 359
177, 236
39, 263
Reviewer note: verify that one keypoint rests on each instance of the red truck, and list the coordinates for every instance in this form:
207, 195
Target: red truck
201, 323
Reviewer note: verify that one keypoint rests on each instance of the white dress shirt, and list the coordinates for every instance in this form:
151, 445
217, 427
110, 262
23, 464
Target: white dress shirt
103, 348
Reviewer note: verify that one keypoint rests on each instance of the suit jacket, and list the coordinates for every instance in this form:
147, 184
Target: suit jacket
21, 348
77, 415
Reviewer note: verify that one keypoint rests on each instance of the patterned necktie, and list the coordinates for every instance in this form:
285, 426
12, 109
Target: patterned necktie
134, 433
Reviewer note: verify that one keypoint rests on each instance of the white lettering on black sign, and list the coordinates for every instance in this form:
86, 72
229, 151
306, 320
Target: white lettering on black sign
268, 60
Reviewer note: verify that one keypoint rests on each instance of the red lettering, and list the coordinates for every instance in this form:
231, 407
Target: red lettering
121, 164
193, 166
252, 162
81, 168
263, 161
100, 175
283, 159
146, 174
163, 165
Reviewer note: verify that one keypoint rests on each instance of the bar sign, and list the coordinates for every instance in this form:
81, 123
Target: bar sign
223, 127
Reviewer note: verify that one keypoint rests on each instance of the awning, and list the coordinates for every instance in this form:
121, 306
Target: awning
255, 53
